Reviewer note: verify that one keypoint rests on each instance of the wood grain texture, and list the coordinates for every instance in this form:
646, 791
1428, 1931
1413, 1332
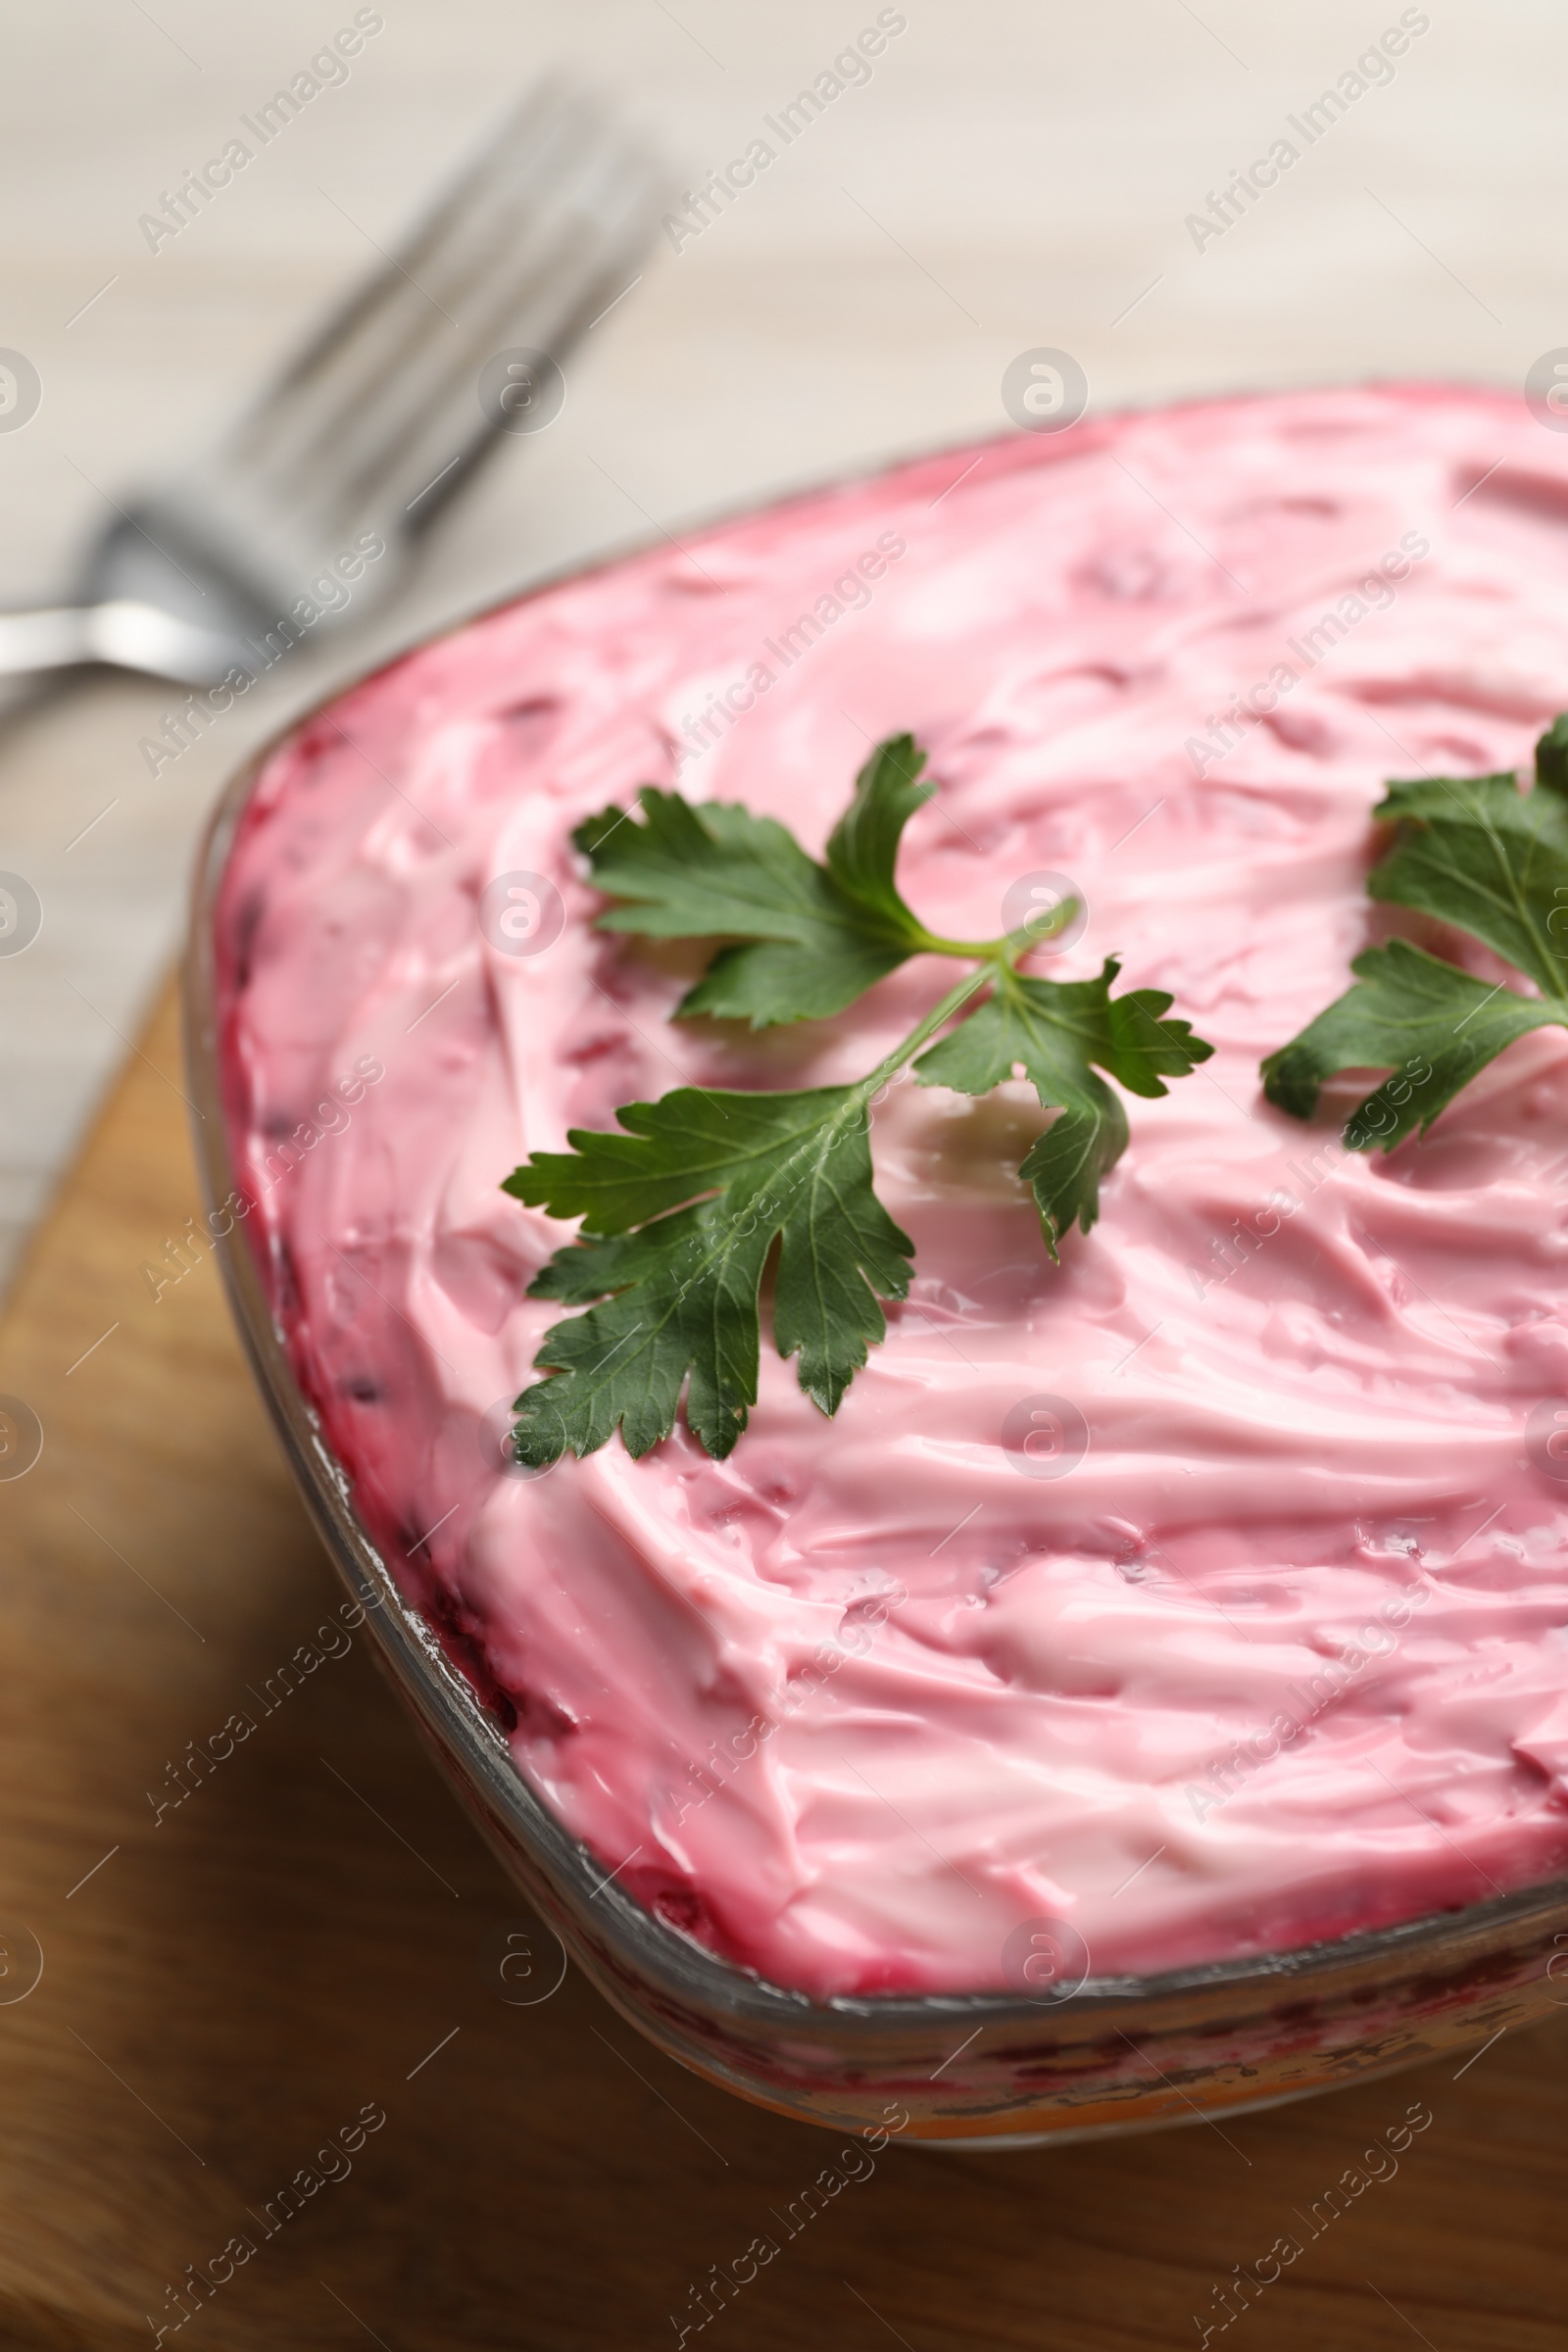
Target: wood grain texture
240, 1976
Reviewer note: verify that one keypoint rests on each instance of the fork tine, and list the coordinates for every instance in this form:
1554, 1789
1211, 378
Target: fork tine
522, 124
485, 235
572, 285
534, 237
512, 274
396, 308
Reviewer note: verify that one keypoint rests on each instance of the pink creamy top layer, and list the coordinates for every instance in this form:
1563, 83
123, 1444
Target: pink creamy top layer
1283, 1652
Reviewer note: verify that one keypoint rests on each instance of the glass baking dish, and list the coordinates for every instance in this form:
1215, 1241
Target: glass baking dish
1076, 2060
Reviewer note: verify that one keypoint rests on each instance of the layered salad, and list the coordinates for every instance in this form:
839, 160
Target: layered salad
1200, 1592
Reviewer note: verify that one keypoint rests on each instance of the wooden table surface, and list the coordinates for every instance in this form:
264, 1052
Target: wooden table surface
305, 1943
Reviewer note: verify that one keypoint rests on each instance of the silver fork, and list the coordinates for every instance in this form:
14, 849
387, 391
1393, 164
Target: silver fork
365, 437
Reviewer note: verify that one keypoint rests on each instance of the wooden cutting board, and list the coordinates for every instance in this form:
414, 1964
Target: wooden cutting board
235, 1987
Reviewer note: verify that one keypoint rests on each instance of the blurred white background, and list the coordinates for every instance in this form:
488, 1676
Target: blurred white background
1014, 173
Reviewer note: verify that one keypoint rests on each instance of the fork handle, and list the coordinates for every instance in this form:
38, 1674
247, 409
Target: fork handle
125, 633
50, 639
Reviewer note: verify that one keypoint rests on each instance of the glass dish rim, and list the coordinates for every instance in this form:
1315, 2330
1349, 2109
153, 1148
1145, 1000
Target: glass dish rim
441, 1697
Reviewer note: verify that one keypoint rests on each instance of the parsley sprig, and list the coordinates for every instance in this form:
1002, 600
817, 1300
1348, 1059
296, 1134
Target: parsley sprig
1488, 859
682, 1209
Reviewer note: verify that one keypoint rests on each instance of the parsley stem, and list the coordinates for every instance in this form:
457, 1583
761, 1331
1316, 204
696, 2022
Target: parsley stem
1012, 945
998, 961
909, 1045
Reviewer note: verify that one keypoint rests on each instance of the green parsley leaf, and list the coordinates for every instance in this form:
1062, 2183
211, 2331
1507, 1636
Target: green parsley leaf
810, 938
682, 1210
1055, 1030
681, 1292
1488, 859
1552, 754
1432, 1024
863, 847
